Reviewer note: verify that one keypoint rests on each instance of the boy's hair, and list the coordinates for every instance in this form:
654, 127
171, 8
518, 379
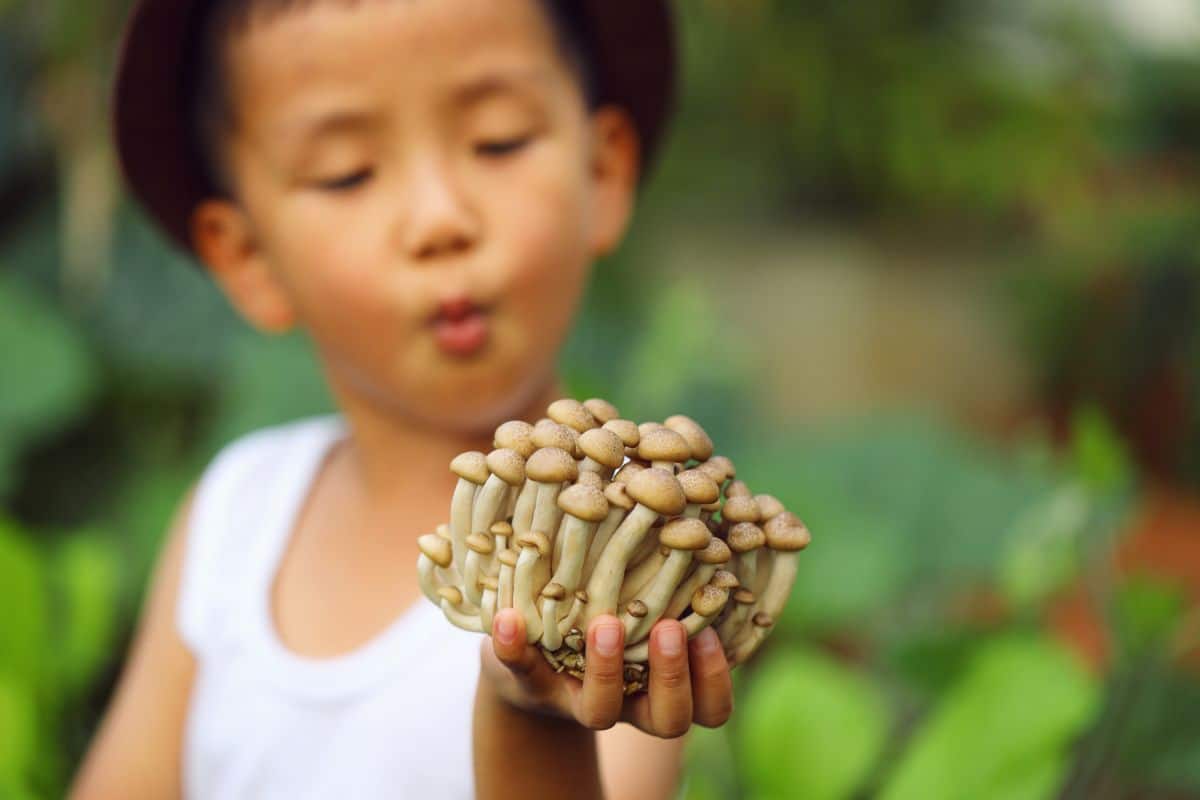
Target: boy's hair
208, 106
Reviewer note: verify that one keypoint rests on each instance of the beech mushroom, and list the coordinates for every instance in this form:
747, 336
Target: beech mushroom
584, 508
435, 552
602, 410
744, 539
535, 547
573, 414
479, 547
471, 469
549, 433
515, 435
706, 602
715, 555
654, 492
684, 537
549, 468
626, 429
700, 490
507, 474
787, 536
603, 452
487, 606
508, 562
663, 448
697, 440
618, 503
451, 602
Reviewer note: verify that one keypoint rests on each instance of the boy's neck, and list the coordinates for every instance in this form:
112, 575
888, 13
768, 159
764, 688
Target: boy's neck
384, 446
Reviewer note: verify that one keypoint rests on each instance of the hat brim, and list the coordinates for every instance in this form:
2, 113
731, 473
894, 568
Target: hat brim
633, 42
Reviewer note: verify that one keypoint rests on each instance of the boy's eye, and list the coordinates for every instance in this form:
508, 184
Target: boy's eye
345, 182
501, 147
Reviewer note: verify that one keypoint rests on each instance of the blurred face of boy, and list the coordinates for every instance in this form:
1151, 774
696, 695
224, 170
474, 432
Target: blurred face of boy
421, 187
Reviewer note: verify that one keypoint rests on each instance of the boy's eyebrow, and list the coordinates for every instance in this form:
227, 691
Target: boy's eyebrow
487, 85
335, 121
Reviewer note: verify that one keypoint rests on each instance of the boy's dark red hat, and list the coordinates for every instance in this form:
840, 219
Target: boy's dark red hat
633, 44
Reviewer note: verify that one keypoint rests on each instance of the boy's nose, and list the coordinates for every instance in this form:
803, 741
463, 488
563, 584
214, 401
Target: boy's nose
440, 220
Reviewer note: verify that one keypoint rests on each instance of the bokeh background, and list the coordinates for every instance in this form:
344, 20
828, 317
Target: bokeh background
929, 271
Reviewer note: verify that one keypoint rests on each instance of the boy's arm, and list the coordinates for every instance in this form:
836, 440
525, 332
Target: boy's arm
533, 727
137, 750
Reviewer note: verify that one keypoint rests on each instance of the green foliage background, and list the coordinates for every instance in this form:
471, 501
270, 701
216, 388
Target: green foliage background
1036, 133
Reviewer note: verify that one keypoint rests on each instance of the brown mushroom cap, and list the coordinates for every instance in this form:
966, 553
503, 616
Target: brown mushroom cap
481, 543
603, 447
746, 536
725, 579
744, 597
551, 465
581, 595
470, 466
637, 609
708, 600
768, 506
515, 435
507, 465
787, 538
740, 509
737, 489
549, 433
500, 528
572, 413
663, 444
657, 490
616, 495
763, 620
554, 591
507, 557
626, 429
626, 473
602, 410
699, 442
452, 594
715, 552
724, 464
646, 427
589, 478
685, 533
585, 502
489, 582
699, 488
535, 539
436, 549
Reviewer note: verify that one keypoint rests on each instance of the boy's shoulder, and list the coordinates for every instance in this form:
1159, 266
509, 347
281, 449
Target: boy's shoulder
243, 506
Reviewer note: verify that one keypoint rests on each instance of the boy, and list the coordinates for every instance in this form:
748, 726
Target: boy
422, 187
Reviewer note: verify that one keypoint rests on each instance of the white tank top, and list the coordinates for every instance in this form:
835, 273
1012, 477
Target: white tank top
390, 719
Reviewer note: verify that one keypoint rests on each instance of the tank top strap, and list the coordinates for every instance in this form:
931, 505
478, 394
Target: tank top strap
240, 517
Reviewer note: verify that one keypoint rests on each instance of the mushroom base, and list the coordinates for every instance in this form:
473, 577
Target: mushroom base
573, 662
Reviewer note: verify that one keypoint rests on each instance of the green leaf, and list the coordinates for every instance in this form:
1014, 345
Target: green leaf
1147, 611
23, 636
1097, 452
18, 731
88, 574
1002, 731
808, 727
48, 377
1043, 548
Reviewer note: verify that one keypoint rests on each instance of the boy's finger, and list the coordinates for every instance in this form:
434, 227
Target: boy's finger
604, 678
670, 688
524, 662
712, 686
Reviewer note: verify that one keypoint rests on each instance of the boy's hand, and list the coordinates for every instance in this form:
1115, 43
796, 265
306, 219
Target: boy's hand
689, 680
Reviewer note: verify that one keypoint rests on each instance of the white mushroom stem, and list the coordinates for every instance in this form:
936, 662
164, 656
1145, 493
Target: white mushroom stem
427, 577
507, 578
522, 515
764, 568
460, 517
487, 609
747, 567
574, 537
600, 541
683, 595
487, 505
746, 645
568, 621
471, 575
692, 624
552, 637
525, 592
639, 575
604, 585
771, 601
731, 629
657, 594
465, 618
546, 513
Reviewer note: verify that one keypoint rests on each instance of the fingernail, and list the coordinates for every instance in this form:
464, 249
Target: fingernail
671, 641
506, 629
608, 639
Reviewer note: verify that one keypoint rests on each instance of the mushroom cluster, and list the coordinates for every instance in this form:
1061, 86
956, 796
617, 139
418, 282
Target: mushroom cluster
586, 513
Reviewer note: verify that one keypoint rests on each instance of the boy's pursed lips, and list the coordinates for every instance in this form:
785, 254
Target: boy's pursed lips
460, 326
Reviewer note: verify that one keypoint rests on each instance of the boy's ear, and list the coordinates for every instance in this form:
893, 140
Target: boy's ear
616, 161
224, 240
